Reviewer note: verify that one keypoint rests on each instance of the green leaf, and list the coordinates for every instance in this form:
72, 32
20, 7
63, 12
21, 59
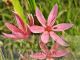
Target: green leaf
32, 5
19, 9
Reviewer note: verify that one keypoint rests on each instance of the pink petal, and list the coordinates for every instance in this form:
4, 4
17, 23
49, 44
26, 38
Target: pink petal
62, 27
9, 35
31, 19
20, 22
39, 55
11, 27
54, 47
60, 53
36, 29
58, 39
40, 17
45, 37
52, 15
28, 30
43, 47
19, 35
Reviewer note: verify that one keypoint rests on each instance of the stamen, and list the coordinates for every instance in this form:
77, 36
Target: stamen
48, 28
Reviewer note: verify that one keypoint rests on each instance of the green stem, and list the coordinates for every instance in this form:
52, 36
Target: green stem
11, 53
1, 55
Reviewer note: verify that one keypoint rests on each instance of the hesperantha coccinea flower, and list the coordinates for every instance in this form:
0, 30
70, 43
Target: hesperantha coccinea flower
21, 31
48, 28
49, 54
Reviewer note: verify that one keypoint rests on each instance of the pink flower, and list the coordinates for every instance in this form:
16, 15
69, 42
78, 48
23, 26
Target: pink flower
49, 54
21, 31
48, 28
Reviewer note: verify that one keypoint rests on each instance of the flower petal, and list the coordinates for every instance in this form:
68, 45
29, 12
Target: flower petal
38, 55
36, 29
31, 19
21, 36
40, 17
9, 35
45, 37
54, 47
11, 27
62, 27
20, 22
52, 15
58, 39
60, 53
43, 47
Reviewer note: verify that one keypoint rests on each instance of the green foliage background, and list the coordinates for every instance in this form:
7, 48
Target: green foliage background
69, 11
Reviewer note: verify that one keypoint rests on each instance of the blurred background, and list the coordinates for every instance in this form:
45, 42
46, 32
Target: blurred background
69, 11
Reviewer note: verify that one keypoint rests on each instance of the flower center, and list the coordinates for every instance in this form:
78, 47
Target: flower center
48, 28
49, 55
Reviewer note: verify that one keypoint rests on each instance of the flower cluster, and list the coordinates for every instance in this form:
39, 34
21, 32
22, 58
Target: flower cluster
47, 29
21, 31
49, 54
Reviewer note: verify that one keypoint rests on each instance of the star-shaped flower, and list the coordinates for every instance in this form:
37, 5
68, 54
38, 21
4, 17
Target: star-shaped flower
49, 54
48, 28
21, 31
